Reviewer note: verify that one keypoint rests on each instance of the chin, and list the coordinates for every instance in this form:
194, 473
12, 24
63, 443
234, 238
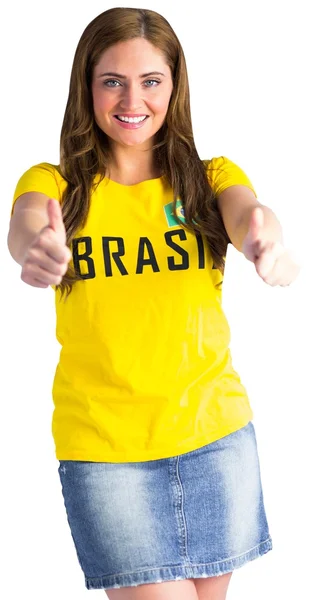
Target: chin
133, 142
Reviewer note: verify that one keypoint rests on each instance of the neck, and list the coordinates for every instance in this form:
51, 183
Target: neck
132, 165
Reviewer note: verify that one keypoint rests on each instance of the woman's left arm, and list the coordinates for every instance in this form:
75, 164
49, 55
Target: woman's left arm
255, 231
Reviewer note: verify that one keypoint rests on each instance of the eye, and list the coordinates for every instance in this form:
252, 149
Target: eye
110, 81
152, 81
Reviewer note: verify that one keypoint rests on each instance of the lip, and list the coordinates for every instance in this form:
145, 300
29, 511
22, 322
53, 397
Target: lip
125, 125
130, 115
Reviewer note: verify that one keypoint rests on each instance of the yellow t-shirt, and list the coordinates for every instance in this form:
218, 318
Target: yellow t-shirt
145, 370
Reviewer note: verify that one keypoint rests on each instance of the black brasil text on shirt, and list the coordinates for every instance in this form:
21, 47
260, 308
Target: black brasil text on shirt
142, 260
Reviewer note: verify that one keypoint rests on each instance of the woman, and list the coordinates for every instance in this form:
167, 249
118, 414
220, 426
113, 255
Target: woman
152, 426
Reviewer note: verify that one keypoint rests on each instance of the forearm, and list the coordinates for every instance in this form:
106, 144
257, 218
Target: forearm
24, 227
273, 229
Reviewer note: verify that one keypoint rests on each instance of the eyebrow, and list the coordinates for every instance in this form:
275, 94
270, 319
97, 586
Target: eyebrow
109, 74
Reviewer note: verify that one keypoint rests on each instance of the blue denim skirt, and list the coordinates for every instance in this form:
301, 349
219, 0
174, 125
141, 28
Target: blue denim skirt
199, 514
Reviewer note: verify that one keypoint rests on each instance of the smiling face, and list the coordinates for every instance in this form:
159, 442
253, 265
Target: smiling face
131, 90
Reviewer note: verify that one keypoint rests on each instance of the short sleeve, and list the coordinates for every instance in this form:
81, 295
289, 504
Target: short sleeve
222, 173
44, 178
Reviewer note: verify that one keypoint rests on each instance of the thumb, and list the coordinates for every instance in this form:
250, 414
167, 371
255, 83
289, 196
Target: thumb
256, 224
55, 218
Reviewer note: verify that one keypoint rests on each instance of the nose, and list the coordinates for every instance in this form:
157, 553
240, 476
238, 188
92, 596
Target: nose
131, 99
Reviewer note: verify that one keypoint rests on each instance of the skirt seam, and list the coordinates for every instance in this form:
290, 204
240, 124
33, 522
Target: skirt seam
188, 570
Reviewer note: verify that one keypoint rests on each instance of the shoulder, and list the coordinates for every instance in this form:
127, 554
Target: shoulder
44, 169
222, 172
43, 177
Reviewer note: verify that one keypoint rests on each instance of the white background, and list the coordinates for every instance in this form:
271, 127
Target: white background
247, 63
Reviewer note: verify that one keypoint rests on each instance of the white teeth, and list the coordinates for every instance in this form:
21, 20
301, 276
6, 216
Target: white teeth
132, 119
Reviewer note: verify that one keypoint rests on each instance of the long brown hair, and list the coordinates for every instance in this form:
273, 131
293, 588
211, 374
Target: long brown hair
84, 147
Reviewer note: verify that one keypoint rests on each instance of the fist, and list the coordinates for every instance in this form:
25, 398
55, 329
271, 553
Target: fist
47, 258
